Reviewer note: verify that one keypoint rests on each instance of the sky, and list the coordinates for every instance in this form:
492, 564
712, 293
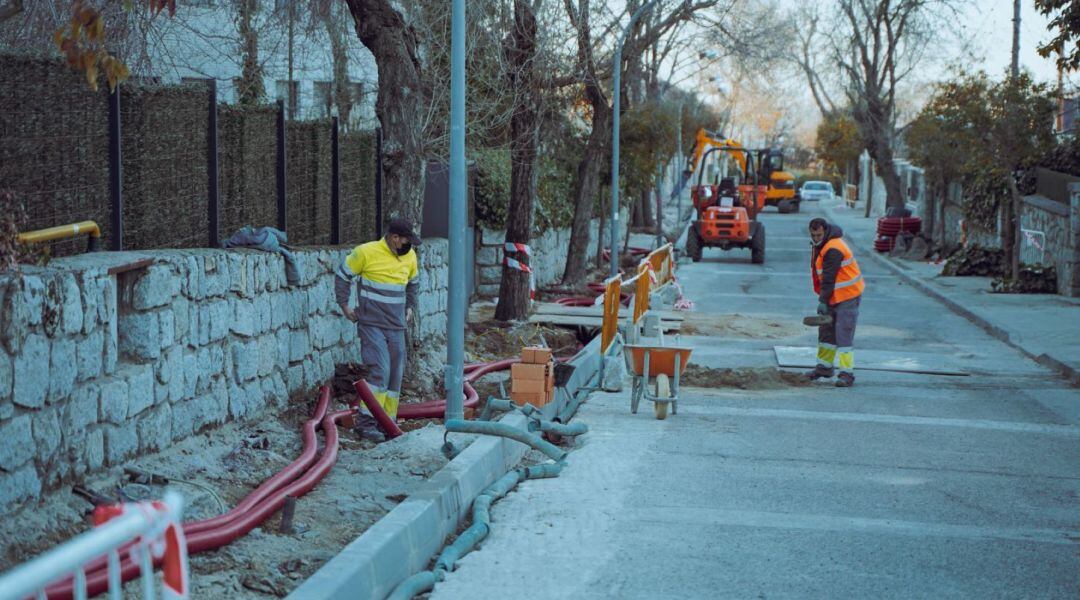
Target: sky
991, 23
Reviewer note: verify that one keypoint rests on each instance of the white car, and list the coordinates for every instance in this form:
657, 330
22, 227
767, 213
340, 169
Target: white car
816, 190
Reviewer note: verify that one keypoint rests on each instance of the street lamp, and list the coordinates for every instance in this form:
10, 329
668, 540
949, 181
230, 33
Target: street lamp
615, 135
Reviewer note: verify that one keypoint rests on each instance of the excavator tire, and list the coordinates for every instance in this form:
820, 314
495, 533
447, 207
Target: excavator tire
693, 245
757, 245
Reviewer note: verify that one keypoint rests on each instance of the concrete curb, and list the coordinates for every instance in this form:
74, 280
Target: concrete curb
405, 540
1071, 374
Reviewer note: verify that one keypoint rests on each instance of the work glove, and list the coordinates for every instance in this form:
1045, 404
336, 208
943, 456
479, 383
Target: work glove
822, 308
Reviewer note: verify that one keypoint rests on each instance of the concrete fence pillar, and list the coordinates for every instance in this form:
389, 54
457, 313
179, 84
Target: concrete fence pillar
1072, 266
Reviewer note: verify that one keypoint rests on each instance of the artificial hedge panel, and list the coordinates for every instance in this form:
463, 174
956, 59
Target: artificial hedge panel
247, 162
54, 153
163, 141
308, 148
358, 165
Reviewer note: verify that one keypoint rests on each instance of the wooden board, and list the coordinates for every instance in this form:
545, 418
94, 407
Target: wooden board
589, 321
551, 308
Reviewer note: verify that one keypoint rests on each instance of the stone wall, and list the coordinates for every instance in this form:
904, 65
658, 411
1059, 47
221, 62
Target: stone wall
548, 259
108, 355
1052, 219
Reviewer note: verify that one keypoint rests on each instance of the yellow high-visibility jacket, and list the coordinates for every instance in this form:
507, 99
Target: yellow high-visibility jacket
386, 283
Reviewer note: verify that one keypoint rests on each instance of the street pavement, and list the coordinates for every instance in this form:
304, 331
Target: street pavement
904, 486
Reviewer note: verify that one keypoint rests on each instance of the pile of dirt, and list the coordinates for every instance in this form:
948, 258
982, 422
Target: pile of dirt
740, 326
487, 339
742, 378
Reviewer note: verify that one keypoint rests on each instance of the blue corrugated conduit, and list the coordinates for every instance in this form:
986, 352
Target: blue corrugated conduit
425, 581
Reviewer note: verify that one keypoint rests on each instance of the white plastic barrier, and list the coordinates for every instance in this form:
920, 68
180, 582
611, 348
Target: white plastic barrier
155, 528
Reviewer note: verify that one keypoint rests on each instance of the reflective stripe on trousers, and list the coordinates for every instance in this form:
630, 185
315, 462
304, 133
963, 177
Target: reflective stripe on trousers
383, 352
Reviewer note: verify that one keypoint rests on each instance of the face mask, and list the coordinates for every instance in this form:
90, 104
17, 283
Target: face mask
404, 249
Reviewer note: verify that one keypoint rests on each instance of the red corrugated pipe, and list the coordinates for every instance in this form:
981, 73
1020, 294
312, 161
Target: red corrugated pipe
388, 425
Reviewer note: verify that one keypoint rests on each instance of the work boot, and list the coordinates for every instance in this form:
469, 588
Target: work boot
368, 429
819, 372
845, 380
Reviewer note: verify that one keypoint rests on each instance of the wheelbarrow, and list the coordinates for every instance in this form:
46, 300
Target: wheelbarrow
656, 371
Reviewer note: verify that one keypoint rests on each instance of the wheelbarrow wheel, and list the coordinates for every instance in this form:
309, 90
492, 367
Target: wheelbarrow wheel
635, 396
663, 390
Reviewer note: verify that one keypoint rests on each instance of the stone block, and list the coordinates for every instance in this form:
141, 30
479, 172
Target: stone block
47, 433
295, 378
90, 355
243, 322
490, 275
219, 314
488, 256
195, 279
63, 370
299, 345
18, 446
217, 360
111, 352
184, 415
191, 375
199, 321
71, 311
33, 298
241, 279
487, 289
219, 411
81, 410
245, 357
92, 289
121, 441
94, 451
114, 401
140, 335
181, 311
262, 313
140, 380
157, 287
168, 328
298, 309
283, 337
31, 372
268, 354
169, 363
311, 374
216, 275
20, 486
155, 428
161, 393
326, 367
492, 237
324, 332
6, 374
279, 310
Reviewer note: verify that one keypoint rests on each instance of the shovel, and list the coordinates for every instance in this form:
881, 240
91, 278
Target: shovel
817, 320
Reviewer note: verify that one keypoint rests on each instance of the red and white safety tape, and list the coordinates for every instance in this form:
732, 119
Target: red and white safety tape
520, 266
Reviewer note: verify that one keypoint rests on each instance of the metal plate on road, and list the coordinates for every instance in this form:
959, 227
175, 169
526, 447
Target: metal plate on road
874, 360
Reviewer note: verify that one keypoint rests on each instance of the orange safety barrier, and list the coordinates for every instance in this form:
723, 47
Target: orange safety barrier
662, 264
612, 296
641, 290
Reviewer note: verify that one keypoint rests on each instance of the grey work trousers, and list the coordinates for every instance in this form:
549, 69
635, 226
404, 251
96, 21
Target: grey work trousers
383, 353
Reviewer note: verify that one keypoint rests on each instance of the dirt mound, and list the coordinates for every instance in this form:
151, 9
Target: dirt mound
740, 326
742, 378
487, 339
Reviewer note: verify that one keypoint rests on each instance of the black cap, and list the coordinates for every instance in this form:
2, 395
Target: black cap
404, 228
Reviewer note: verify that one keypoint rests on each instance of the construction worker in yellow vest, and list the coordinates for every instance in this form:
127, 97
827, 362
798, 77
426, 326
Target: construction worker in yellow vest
839, 285
385, 273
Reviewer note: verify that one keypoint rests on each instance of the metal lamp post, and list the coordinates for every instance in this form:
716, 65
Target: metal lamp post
615, 135
455, 322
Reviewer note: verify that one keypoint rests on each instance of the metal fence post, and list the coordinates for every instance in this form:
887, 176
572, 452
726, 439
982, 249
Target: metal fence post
116, 193
282, 207
213, 200
378, 182
335, 183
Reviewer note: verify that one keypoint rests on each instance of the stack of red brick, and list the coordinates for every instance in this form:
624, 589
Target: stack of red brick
533, 379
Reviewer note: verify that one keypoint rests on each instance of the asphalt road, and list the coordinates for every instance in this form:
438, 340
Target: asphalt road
905, 486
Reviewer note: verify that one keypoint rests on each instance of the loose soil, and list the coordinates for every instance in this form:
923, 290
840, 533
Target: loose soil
744, 378
740, 326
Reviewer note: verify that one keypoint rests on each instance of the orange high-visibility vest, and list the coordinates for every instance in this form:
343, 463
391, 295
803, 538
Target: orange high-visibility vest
849, 281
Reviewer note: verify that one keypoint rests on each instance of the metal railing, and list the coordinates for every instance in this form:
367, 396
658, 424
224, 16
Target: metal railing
146, 524
1033, 247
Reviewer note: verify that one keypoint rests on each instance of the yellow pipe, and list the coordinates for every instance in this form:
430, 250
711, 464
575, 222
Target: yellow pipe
61, 232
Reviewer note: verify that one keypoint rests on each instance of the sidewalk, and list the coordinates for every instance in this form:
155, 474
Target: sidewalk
1045, 327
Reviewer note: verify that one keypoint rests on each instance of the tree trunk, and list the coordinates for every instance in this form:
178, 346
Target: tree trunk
339, 53
399, 105
586, 188
1013, 227
646, 209
520, 49
251, 90
637, 212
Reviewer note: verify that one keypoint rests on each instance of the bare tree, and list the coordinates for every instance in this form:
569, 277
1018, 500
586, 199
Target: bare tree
402, 97
521, 50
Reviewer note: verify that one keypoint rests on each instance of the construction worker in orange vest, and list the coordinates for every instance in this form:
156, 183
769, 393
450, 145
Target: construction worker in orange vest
839, 285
